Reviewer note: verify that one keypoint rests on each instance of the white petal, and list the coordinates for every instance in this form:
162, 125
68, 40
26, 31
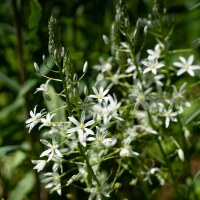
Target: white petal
154, 71
167, 120
146, 70
45, 142
183, 60
72, 130
95, 90
45, 153
190, 59
58, 152
89, 123
73, 120
180, 71
178, 64
88, 131
190, 72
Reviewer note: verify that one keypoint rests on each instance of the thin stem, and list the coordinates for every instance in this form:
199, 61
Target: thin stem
65, 89
22, 77
90, 170
168, 166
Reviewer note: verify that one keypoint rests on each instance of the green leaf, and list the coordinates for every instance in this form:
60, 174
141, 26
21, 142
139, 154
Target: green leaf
19, 101
36, 13
5, 149
10, 83
193, 116
24, 186
55, 103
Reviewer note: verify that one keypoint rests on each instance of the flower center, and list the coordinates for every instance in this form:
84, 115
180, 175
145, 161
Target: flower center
81, 126
141, 97
152, 65
53, 147
100, 95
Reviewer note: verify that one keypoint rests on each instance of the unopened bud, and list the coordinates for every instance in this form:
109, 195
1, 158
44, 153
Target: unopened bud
36, 67
105, 39
75, 78
63, 52
85, 91
43, 58
85, 67
46, 96
181, 154
54, 53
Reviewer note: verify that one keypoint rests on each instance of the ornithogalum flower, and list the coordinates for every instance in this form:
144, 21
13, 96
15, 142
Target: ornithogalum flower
152, 65
186, 66
101, 95
35, 118
81, 128
53, 149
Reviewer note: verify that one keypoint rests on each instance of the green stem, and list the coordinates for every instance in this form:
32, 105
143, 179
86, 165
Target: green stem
90, 170
169, 167
66, 90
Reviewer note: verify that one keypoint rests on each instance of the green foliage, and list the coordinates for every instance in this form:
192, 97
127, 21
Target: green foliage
24, 186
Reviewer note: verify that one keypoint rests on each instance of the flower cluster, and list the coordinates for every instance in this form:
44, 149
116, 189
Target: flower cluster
132, 107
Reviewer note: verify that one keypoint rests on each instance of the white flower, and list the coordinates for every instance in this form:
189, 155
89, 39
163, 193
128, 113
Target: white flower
179, 95
35, 118
152, 65
168, 114
100, 137
154, 54
53, 149
154, 172
81, 129
46, 121
101, 112
101, 95
40, 164
126, 151
186, 66
97, 191
105, 65
43, 87
57, 164
157, 80
132, 67
141, 97
52, 180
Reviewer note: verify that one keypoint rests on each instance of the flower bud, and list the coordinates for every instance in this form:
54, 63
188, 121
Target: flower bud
85, 67
36, 67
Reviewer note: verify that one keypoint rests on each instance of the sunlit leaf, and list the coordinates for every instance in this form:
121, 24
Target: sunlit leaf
6, 149
34, 19
23, 187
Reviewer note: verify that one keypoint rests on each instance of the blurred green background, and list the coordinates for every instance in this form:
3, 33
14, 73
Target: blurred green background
24, 39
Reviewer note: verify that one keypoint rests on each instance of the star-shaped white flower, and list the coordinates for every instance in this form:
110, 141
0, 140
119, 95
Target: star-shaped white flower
154, 54
39, 164
186, 65
46, 121
53, 149
43, 87
81, 128
152, 65
101, 95
35, 118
